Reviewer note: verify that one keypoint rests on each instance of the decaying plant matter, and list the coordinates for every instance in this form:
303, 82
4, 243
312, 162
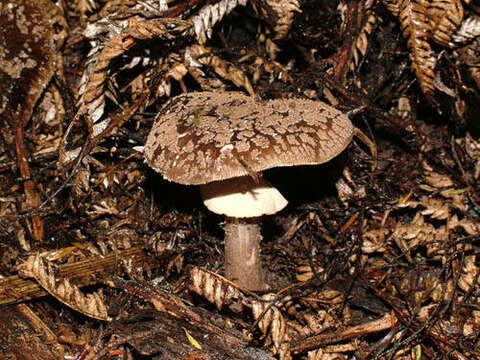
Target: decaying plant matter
34, 60
98, 262
125, 28
416, 27
92, 305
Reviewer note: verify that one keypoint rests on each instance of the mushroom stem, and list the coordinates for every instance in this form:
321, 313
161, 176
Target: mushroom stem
242, 253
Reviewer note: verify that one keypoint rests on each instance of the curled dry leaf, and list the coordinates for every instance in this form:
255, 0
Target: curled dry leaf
333, 352
362, 41
438, 180
315, 321
344, 191
173, 68
404, 108
272, 324
374, 241
84, 6
440, 209
92, 305
471, 227
326, 296
393, 6
271, 67
348, 190
316, 355
435, 182
436, 208
419, 232
304, 271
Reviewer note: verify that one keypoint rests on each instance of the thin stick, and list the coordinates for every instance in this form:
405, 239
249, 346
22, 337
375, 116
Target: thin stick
387, 321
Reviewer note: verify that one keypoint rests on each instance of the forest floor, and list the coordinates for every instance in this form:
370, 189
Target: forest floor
373, 258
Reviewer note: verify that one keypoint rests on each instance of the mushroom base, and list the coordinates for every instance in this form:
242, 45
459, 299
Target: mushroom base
242, 253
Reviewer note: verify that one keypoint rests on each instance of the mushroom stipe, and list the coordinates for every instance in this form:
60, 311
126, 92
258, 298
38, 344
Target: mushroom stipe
223, 140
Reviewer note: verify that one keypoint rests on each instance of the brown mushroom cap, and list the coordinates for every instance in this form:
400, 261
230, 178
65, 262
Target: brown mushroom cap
202, 137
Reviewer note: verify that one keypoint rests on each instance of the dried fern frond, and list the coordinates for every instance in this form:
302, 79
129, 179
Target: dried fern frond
374, 241
121, 29
361, 43
469, 30
436, 208
470, 271
446, 16
84, 6
92, 101
92, 305
271, 67
198, 55
209, 15
221, 292
416, 29
393, 6
366, 21
420, 232
214, 288
278, 14
472, 148
469, 53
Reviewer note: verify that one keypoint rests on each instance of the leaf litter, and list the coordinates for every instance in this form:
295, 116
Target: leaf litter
363, 264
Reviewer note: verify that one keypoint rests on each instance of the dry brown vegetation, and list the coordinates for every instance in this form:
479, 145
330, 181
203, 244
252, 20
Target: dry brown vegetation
100, 258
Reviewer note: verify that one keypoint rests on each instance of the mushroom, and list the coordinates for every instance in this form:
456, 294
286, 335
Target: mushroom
223, 140
243, 201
